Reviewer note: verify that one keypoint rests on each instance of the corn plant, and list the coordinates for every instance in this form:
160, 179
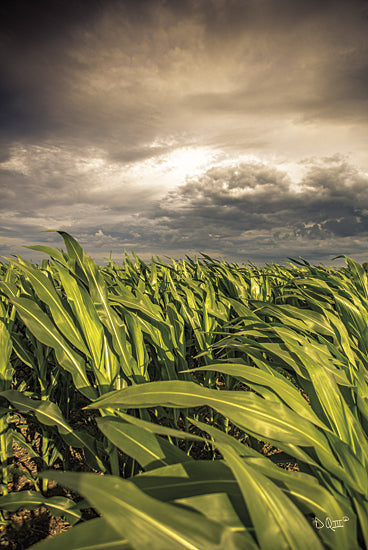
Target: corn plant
214, 406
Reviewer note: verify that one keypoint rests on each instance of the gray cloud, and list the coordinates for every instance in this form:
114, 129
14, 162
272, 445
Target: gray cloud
52, 182
249, 211
257, 210
332, 186
118, 74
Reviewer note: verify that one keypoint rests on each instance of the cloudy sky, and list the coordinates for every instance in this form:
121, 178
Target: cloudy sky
237, 128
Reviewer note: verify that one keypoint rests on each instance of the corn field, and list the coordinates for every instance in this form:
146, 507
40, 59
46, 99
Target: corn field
196, 404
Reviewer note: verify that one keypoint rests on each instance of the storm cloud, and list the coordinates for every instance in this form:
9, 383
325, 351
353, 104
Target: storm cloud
248, 208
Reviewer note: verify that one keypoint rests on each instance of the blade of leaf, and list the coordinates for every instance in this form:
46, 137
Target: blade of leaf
147, 523
149, 450
44, 330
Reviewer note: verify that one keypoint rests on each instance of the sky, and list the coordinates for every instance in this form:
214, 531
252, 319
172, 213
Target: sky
234, 128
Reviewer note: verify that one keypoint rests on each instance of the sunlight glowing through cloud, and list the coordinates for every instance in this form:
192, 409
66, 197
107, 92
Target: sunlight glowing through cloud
188, 162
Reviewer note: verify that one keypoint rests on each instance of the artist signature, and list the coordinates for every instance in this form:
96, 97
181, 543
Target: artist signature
330, 523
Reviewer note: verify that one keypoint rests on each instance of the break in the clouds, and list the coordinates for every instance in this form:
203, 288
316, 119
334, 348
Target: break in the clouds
236, 128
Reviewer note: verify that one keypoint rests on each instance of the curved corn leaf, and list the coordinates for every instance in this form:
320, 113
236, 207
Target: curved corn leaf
129, 301
52, 252
268, 420
105, 362
46, 332
149, 450
58, 506
95, 534
216, 506
278, 522
249, 411
303, 489
188, 479
148, 523
46, 292
107, 315
6, 347
281, 387
49, 413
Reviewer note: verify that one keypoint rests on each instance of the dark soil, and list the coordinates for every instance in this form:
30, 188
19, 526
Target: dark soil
28, 527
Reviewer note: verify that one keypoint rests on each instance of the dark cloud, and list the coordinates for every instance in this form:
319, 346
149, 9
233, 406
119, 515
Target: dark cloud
119, 71
30, 23
57, 184
244, 212
255, 208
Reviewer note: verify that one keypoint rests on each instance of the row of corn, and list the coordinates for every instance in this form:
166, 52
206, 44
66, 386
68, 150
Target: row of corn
226, 406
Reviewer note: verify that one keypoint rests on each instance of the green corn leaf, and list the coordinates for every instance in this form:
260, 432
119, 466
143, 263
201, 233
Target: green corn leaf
107, 315
58, 506
246, 409
5, 353
268, 420
305, 320
49, 413
46, 292
76, 256
146, 522
105, 363
256, 378
189, 479
52, 252
9, 289
344, 423
158, 428
128, 300
278, 522
20, 440
361, 506
46, 332
359, 275
24, 351
149, 450
138, 345
95, 534
218, 507
303, 489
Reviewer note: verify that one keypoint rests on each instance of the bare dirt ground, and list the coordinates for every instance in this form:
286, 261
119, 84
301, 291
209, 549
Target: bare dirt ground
26, 527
